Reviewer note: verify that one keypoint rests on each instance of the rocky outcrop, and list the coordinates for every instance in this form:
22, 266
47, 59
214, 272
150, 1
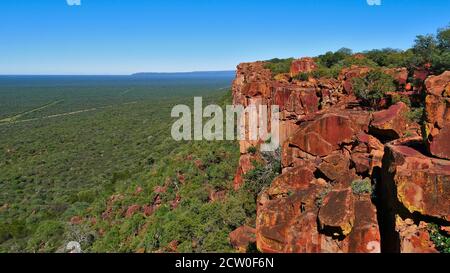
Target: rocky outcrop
331, 148
438, 114
303, 65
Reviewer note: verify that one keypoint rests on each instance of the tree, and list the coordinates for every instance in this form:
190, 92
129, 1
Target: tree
443, 38
373, 87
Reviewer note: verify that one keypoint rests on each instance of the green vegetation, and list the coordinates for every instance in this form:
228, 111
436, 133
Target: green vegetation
54, 170
415, 114
252, 150
371, 88
360, 187
279, 66
263, 173
440, 239
302, 76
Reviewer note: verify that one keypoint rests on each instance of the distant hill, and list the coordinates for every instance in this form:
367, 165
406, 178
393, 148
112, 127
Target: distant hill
195, 74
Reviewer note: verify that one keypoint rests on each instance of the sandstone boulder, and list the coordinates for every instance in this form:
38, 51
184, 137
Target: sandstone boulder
242, 237
337, 215
390, 123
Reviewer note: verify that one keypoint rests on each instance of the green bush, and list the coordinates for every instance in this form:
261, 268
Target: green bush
302, 76
263, 173
279, 66
330, 58
396, 98
360, 187
440, 240
325, 72
415, 114
252, 150
373, 87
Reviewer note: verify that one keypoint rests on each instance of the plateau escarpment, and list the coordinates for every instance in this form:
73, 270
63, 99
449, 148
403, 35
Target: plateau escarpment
357, 176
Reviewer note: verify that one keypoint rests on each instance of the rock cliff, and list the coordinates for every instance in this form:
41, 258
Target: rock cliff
354, 179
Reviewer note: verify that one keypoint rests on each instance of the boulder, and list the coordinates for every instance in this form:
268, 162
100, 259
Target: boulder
421, 183
131, 210
323, 135
436, 85
337, 215
400, 75
242, 237
365, 236
437, 109
391, 123
297, 178
414, 238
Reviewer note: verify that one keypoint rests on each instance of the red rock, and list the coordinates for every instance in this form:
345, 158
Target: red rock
173, 246
400, 75
245, 165
348, 74
279, 224
199, 164
138, 190
131, 210
242, 237
76, 220
215, 196
296, 179
391, 123
436, 84
336, 167
365, 235
174, 203
303, 65
323, 135
437, 109
421, 182
148, 210
413, 238
408, 87
337, 214
362, 162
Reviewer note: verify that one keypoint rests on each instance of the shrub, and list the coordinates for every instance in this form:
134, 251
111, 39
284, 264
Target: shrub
440, 240
360, 187
330, 58
252, 150
263, 174
373, 87
415, 115
396, 98
279, 66
302, 77
325, 72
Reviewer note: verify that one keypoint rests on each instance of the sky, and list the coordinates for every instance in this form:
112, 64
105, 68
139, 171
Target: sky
112, 37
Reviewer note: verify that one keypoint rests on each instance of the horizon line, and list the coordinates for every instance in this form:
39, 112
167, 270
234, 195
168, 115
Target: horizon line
128, 74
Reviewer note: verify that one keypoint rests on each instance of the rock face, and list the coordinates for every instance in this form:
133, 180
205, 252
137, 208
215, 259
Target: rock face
422, 183
438, 114
303, 65
330, 145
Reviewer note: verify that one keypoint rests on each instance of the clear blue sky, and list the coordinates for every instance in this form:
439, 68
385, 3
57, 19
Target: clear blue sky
127, 36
